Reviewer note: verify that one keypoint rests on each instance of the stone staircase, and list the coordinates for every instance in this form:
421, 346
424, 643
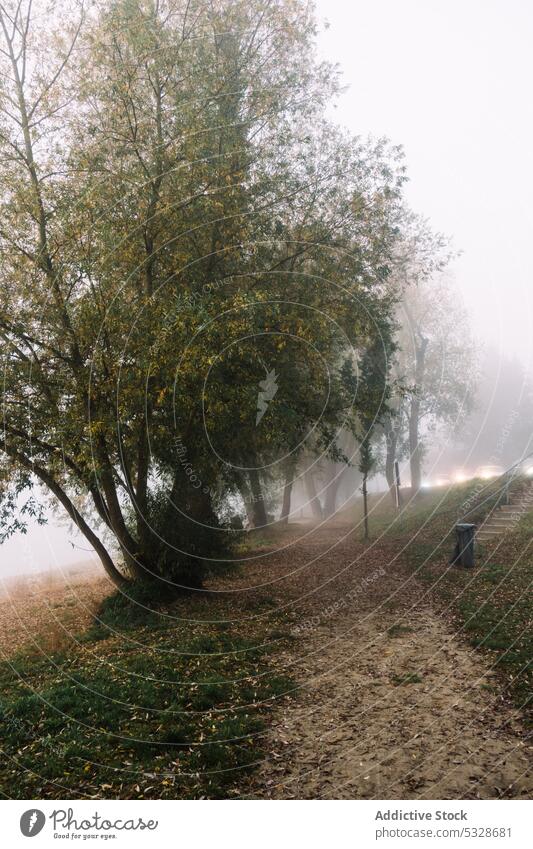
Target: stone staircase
505, 518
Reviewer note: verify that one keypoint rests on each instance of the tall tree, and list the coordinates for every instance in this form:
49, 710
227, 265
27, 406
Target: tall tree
435, 373
373, 390
171, 192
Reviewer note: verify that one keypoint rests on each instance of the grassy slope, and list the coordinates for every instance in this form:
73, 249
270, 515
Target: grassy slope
491, 604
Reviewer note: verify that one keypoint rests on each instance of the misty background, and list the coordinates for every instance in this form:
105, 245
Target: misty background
451, 83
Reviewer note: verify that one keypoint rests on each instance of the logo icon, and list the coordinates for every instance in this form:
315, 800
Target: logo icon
32, 822
267, 389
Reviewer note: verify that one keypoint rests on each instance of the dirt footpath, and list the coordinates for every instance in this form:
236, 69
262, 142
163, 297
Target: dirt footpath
390, 704
406, 714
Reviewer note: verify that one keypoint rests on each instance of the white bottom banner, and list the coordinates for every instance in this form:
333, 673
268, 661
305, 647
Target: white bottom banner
263, 825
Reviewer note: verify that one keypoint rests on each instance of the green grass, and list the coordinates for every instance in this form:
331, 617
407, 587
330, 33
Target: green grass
398, 630
386, 520
161, 709
410, 678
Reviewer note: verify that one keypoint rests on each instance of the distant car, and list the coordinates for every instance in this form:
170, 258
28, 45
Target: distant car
442, 480
461, 475
487, 472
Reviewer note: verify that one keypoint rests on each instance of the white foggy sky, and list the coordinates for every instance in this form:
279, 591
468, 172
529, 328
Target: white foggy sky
451, 81
43, 548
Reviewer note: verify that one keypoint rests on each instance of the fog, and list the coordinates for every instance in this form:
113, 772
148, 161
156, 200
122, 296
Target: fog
450, 81
43, 548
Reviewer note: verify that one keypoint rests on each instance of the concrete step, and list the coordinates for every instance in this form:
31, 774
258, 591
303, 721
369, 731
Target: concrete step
493, 530
502, 525
507, 517
499, 523
505, 520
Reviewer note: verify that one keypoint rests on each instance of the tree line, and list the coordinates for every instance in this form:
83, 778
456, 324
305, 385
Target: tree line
186, 241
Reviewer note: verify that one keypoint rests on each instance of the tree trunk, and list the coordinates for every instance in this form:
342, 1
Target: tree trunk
105, 558
248, 505
332, 488
128, 546
244, 489
259, 513
391, 439
415, 460
287, 493
314, 500
415, 448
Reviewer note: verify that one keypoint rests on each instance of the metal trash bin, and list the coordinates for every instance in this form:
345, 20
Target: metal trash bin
464, 545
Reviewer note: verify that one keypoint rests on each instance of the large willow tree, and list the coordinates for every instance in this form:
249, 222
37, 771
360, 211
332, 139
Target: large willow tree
177, 221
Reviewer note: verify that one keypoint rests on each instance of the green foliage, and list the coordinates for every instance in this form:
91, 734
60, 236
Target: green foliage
409, 678
184, 542
398, 630
127, 610
178, 217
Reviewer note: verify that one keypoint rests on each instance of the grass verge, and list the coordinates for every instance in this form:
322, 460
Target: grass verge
492, 603
146, 704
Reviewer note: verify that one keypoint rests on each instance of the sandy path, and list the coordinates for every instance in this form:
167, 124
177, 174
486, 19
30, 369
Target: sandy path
355, 728
356, 733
